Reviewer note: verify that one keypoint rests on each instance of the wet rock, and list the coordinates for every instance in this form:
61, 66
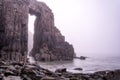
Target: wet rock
1, 76
8, 73
12, 78
81, 57
61, 70
25, 77
16, 63
2, 63
113, 75
48, 78
35, 72
80, 69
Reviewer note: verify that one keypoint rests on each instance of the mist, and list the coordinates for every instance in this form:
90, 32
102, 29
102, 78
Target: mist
91, 26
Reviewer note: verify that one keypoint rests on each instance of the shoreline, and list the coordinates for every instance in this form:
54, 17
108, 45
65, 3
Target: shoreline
88, 66
19, 71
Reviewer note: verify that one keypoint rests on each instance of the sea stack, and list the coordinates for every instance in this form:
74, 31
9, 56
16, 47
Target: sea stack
49, 44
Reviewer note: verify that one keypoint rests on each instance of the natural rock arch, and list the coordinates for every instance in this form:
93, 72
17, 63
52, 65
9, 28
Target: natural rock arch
49, 44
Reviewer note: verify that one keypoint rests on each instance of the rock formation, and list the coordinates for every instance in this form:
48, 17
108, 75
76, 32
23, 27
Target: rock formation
49, 44
19, 71
13, 29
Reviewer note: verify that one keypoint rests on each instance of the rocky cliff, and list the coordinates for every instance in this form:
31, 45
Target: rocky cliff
13, 29
49, 44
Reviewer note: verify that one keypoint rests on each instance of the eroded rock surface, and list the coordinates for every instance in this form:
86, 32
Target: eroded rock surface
49, 43
13, 29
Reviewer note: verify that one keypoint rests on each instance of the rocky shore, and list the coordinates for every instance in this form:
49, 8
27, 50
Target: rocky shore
48, 45
22, 71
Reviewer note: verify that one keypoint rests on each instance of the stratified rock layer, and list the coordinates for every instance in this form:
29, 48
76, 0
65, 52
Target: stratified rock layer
49, 44
13, 29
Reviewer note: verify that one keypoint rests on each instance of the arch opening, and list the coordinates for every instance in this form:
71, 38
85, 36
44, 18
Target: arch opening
31, 21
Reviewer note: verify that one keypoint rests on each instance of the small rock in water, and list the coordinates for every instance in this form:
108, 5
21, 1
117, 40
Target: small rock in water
61, 70
81, 57
80, 69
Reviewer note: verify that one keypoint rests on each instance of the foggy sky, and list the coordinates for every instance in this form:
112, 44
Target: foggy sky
92, 26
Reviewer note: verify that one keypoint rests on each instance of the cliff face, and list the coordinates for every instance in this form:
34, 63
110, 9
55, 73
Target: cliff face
2, 29
49, 44
13, 29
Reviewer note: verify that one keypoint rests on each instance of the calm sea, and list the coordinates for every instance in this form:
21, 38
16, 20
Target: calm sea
89, 65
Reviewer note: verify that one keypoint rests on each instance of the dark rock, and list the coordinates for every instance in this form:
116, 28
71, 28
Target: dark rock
49, 44
113, 75
2, 63
81, 57
48, 78
16, 63
13, 29
61, 70
12, 78
35, 72
1, 76
78, 69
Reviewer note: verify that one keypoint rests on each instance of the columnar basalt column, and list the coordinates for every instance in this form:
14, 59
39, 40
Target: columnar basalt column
14, 29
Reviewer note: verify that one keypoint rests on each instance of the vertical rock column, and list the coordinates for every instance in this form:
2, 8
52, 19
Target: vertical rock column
2, 28
15, 29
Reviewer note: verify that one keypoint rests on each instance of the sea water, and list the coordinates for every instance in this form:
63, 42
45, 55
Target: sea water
90, 65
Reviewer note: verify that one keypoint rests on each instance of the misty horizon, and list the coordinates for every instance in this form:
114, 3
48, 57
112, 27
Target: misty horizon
92, 27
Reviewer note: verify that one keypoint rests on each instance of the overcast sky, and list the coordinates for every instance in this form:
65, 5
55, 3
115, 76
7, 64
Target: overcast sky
92, 26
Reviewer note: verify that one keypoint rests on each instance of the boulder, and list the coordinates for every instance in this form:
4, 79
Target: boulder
80, 69
48, 78
81, 57
62, 70
12, 78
